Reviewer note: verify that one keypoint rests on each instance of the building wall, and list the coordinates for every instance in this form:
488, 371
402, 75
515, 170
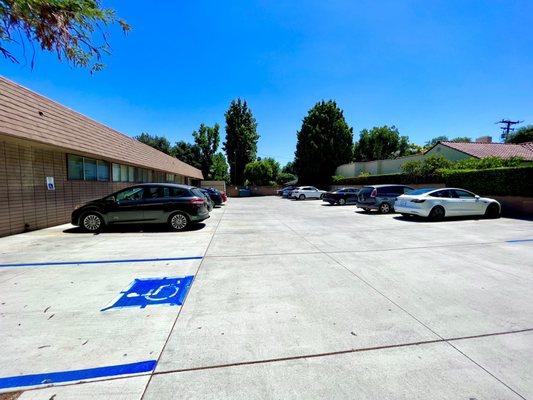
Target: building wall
377, 167
448, 153
25, 201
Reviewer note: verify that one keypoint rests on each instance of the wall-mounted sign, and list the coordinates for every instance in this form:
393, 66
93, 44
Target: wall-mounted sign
50, 185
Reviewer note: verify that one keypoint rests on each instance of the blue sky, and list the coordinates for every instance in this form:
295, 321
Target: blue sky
429, 67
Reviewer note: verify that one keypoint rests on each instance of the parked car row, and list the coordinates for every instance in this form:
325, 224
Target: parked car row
432, 203
178, 206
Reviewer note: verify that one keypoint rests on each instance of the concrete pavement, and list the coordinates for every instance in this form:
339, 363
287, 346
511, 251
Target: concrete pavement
290, 300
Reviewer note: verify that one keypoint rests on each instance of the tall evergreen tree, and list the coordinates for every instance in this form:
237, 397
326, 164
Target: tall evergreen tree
188, 153
325, 141
207, 139
241, 139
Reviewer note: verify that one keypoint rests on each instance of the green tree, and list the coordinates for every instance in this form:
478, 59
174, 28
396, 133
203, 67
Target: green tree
258, 173
160, 143
462, 139
521, 135
188, 153
69, 28
219, 168
207, 139
435, 140
379, 143
323, 143
241, 139
274, 165
289, 168
285, 177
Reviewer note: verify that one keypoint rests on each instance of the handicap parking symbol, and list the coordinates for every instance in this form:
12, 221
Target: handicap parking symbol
153, 291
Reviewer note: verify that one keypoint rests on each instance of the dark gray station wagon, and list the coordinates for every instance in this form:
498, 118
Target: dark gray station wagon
380, 197
175, 205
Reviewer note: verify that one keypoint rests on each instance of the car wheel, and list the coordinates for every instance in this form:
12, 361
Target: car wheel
493, 211
385, 208
437, 213
342, 202
91, 222
366, 210
302, 197
178, 221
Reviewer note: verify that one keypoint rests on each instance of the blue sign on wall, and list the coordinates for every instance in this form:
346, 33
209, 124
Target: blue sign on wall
152, 291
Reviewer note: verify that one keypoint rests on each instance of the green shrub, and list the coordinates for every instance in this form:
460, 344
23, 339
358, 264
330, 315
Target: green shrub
426, 168
337, 178
258, 173
514, 181
487, 163
285, 177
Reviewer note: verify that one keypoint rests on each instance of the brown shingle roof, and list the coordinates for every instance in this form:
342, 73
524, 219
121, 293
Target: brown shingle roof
27, 115
503, 150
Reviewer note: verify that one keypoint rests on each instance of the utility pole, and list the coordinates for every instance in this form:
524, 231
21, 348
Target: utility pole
506, 128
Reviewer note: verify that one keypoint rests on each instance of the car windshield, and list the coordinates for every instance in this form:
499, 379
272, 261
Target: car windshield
419, 191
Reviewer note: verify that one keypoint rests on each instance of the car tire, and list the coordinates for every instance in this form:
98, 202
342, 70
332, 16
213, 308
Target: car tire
385, 208
342, 202
493, 211
366, 210
178, 221
91, 222
301, 197
405, 215
437, 213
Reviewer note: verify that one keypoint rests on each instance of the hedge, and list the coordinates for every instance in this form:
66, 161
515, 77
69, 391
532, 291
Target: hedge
386, 178
515, 181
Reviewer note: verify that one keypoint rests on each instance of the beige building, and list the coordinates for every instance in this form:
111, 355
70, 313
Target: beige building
450, 150
53, 159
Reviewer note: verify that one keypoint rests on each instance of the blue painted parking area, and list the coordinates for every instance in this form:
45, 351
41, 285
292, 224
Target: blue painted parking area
77, 375
520, 241
153, 291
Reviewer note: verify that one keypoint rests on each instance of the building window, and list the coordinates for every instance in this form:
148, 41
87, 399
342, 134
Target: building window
131, 174
123, 173
116, 172
86, 169
103, 170
75, 167
89, 169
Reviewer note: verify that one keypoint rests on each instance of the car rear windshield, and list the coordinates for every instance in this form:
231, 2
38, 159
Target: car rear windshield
366, 191
420, 191
197, 192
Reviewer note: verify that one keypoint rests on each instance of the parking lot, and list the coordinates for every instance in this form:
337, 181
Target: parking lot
289, 299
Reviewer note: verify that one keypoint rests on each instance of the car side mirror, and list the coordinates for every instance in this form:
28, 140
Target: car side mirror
477, 197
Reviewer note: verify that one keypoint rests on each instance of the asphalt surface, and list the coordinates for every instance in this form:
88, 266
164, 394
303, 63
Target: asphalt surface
289, 299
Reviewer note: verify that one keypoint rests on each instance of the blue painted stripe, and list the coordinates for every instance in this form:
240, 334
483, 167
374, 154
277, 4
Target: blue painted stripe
138, 260
77, 375
519, 240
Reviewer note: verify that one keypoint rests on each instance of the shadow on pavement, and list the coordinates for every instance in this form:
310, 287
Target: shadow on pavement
132, 228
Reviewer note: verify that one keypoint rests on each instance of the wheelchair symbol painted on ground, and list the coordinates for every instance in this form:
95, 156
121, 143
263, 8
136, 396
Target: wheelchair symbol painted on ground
153, 291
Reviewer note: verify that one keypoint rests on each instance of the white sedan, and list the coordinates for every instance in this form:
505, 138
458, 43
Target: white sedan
446, 202
307, 192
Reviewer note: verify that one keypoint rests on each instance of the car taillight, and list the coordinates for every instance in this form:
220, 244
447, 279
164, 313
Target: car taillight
197, 200
374, 193
418, 200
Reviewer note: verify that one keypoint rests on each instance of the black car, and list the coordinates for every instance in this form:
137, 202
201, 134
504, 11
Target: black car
341, 196
215, 195
175, 205
210, 203
380, 197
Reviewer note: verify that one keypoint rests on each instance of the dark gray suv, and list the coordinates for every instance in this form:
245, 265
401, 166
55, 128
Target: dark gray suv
380, 197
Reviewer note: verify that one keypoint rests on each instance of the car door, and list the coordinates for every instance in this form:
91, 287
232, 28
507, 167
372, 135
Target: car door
469, 203
312, 192
350, 195
446, 199
127, 206
155, 201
